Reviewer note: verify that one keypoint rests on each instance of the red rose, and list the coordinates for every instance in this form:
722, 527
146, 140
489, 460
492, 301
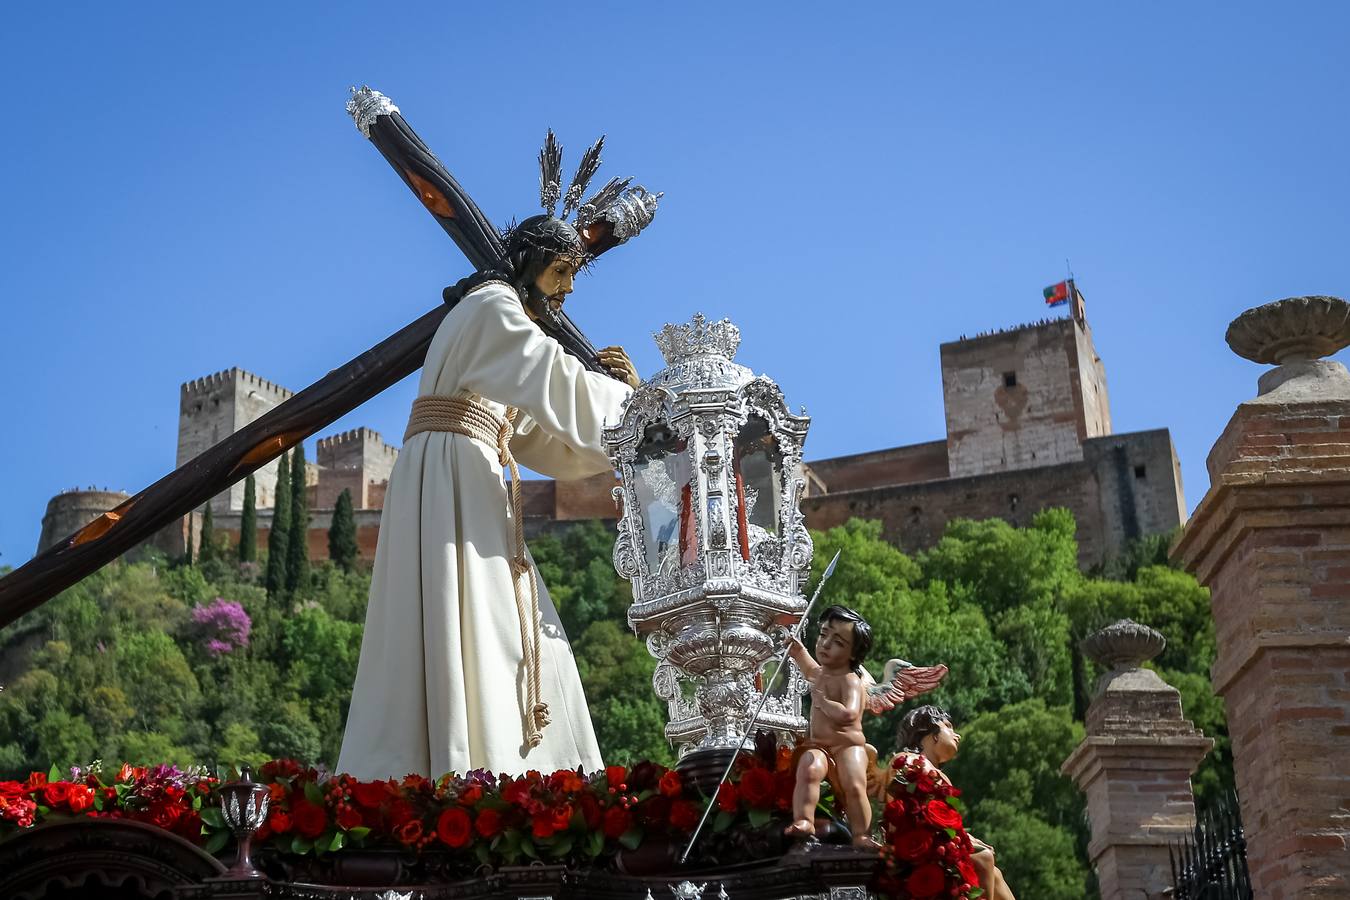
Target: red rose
757, 786
941, 815
399, 813
56, 793
562, 817
727, 798
310, 820
189, 825
162, 814
35, 781
410, 832
684, 815
454, 827
516, 792
645, 775
79, 798
370, 795
615, 775
671, 785
10, 789
542, 826
654, 812
488, 823
927, 880
968, 873
349, 817
913, 845
590, 811
279, 822
471, 795
617, 821
896, 816
280, 768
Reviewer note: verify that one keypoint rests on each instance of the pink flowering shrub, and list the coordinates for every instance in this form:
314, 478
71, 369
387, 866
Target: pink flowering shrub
222, 625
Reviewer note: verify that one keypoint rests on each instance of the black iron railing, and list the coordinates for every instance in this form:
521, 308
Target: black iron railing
1211, 864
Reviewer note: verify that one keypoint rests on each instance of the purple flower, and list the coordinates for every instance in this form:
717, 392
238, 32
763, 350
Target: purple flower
223, 625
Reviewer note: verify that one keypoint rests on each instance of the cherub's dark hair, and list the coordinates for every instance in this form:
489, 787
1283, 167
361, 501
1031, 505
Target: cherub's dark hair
918, 724
862, 633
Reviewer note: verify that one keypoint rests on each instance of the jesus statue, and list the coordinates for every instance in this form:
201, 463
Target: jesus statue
464, 663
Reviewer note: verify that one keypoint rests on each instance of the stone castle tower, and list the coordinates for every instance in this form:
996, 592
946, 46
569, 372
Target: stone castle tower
359, 461
211, 409
1023, 398
71, 510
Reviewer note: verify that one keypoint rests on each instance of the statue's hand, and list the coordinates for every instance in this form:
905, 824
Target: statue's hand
616, 360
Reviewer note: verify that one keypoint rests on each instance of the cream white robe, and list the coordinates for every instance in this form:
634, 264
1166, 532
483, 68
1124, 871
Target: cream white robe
440, 684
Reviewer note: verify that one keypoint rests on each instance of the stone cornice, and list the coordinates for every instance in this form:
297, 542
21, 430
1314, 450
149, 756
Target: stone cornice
1099, 753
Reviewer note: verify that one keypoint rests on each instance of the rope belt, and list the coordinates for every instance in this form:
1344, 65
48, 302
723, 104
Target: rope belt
466, 416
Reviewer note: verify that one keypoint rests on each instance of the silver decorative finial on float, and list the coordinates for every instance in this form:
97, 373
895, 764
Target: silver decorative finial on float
365, 105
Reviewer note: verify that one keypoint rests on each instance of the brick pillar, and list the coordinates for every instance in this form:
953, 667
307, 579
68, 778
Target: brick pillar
1135, 765
1271, 539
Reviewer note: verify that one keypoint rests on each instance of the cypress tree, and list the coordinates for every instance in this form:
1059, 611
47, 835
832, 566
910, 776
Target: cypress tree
278, 539
248, 524
342, 533
297, 559
206, 551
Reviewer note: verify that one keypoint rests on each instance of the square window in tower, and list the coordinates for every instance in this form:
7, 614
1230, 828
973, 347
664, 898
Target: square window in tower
1140, 472
1010, 379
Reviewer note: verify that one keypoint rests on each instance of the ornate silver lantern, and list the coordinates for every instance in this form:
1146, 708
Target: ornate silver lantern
709, 459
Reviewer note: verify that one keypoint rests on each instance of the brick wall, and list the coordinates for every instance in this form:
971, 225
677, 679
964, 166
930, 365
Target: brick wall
896, 465
1271, 539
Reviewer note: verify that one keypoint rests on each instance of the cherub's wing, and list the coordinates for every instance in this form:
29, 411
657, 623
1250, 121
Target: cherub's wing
902, 681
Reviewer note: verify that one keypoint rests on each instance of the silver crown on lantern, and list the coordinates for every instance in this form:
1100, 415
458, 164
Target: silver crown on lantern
699, 337
366, 105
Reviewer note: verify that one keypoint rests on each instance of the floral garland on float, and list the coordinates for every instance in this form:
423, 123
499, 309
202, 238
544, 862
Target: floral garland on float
479, 819
564, 817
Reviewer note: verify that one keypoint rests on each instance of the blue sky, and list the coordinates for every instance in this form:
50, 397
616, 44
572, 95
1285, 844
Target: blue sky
851, 183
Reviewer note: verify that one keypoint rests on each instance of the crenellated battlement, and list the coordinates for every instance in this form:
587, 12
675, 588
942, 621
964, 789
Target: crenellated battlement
355, 435
208, 383
233, 375
248, 378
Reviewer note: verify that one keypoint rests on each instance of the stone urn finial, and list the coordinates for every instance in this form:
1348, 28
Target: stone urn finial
1123, 645
1295, 334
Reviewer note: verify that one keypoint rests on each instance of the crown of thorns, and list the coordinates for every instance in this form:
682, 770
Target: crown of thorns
628, 209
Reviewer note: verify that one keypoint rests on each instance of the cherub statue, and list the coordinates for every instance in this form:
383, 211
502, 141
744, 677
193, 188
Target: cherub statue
841, 689
926, 733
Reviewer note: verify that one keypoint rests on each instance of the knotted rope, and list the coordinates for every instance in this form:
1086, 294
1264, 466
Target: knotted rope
466, 416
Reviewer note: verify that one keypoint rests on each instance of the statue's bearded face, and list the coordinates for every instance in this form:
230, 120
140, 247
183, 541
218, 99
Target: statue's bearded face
555, 282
